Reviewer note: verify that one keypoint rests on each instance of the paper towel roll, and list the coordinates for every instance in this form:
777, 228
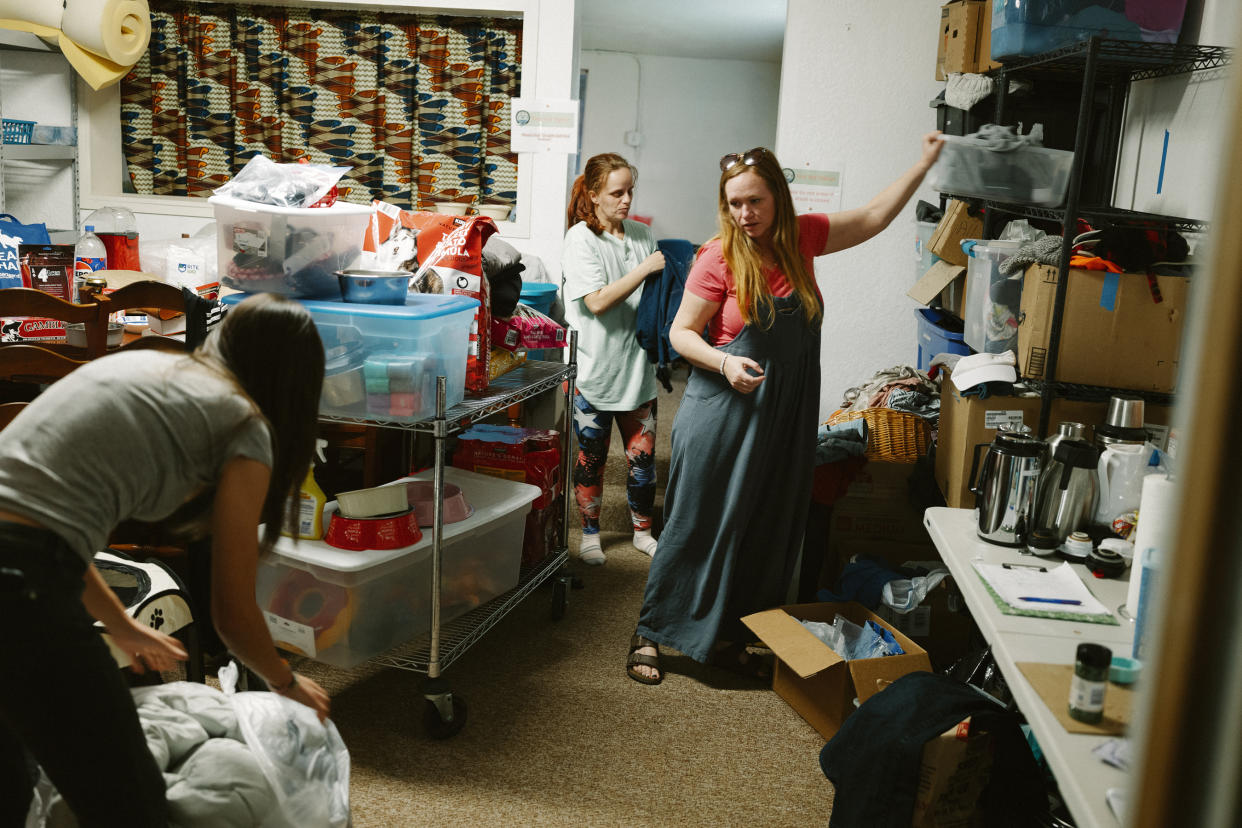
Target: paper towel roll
1155, 528
118, 30
42, 12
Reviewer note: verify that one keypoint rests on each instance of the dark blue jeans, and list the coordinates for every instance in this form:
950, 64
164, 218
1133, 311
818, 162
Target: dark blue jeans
62, 696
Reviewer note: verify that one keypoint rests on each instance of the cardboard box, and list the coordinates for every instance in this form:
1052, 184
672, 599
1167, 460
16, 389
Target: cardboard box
941, 624
940, 280
954, 771
967, 422
816, 682
877, 508
957, 224
1113, 333
965, 38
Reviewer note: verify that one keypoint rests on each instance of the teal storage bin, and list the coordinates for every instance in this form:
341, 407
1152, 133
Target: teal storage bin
540, 296
381, 361
1022, 28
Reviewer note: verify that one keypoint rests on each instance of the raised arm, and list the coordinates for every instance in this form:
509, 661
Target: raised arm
851, 227
234, 561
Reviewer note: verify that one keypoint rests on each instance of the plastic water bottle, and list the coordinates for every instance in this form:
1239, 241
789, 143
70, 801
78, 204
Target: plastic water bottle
89, 255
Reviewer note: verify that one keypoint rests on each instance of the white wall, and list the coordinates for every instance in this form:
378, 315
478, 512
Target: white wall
1189, 107
689, 112
549, 71
856, 79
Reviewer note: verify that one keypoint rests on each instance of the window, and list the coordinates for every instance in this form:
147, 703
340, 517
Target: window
416, 105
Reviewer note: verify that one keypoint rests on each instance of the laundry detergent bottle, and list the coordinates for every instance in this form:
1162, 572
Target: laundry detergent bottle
306, 518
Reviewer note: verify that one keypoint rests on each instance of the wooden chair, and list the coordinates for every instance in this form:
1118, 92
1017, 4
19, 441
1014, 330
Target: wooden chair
150, 296
21, 362
30, 302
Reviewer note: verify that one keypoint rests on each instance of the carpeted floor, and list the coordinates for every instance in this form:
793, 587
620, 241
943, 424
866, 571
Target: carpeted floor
558, 735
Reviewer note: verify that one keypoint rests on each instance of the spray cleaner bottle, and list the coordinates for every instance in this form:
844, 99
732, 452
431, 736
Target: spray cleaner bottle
307, 518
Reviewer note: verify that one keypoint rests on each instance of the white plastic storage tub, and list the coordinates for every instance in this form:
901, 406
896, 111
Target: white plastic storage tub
1025, 175
993, 300
381, 361
291, 250
1021, 28
343, 607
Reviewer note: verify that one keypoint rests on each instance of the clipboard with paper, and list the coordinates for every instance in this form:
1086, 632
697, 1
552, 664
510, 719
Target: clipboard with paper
1055, 592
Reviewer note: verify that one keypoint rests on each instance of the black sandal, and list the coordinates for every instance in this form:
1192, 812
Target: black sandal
636, 659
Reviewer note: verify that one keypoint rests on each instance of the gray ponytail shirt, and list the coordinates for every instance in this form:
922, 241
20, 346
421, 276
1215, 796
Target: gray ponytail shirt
129, 435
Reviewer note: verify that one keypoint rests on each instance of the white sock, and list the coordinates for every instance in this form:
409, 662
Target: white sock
644, 543
589, 551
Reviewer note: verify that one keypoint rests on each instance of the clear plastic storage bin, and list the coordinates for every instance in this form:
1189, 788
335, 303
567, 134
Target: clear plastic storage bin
1030, 27
381, 361
342, 607
993, 300
291, 250
1026, 175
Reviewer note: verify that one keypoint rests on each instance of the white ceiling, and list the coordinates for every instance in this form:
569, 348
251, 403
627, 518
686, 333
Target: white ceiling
720, 29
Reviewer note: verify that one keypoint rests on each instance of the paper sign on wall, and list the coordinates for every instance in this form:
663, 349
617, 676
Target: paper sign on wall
544, 125
814, 191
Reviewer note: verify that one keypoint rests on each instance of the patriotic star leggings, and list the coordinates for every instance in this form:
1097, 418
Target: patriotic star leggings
594, 432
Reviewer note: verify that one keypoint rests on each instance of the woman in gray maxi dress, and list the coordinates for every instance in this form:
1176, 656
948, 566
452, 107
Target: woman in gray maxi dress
743, 439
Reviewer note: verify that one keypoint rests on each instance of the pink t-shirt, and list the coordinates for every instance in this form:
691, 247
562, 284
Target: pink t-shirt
711, 279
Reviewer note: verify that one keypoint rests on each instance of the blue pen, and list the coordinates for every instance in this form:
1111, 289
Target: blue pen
1050, 600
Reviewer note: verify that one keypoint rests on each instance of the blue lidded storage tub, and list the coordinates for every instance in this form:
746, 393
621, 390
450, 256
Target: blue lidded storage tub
381, 361
1022, 28
540, 296
939, 333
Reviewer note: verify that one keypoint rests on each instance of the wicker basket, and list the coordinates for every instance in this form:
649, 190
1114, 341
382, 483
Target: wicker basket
893, 436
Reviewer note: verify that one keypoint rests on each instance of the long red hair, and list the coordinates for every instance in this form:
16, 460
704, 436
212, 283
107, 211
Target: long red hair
594, 177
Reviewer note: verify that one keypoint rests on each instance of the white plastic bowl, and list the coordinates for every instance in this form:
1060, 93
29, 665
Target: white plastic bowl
495, 212
75, 334
365, 503
451, 208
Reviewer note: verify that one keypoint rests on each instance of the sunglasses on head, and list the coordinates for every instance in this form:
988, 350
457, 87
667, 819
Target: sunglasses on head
750, 158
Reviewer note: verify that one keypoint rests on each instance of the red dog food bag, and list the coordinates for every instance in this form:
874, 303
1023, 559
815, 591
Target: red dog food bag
445, 254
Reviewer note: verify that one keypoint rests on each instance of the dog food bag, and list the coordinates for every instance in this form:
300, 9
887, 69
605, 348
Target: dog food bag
526, 328
445, 254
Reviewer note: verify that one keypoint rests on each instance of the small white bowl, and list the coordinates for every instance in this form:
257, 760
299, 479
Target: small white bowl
495, 212
365, 503
451, 208
75, 334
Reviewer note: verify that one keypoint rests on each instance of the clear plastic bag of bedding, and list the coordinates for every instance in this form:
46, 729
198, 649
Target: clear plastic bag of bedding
305, 760
263, 181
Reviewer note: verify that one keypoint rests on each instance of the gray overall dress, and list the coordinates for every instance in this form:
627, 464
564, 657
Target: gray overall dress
738, 491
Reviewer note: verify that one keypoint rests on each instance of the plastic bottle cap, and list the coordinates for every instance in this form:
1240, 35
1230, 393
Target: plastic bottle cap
1094, 655
90, 228
1124, 670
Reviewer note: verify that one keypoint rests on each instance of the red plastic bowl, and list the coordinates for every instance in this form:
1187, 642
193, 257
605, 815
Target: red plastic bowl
384, 532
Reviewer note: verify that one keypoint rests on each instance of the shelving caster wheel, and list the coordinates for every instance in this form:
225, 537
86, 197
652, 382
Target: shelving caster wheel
444, 714
560, 596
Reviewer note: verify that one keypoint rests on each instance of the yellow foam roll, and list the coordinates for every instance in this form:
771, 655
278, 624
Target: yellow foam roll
116, 30
46, 13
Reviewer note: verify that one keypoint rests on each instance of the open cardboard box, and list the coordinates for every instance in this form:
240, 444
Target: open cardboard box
816, 682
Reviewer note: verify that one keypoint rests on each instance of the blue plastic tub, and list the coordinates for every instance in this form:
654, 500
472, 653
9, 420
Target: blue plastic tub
937, 336
381, 361
540, 296
1021, 28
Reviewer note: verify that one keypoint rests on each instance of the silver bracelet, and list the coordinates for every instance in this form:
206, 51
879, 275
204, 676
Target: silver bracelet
723, 359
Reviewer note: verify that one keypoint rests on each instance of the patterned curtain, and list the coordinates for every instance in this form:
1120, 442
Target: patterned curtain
417, 106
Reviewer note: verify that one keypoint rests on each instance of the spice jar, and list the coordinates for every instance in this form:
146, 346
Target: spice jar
1086, 697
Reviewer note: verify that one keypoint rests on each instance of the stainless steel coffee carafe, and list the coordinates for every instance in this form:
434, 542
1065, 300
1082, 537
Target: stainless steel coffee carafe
1068, 489
1005, 484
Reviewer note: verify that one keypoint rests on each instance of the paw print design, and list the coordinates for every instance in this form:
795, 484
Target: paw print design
157, 618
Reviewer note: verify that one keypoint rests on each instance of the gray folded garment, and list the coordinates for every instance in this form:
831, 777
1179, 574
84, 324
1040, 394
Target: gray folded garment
1046, 250
498, 255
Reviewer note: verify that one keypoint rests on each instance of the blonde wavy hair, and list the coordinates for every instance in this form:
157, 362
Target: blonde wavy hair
741, 252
